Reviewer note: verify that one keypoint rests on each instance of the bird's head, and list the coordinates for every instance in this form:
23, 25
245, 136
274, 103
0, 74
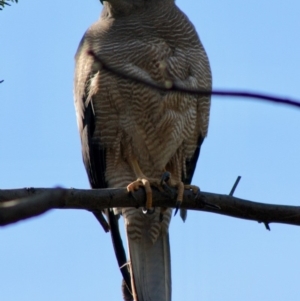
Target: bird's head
116, 2
124, 6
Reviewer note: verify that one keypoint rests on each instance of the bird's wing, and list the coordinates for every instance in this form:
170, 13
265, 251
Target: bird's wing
192, 163
93, 153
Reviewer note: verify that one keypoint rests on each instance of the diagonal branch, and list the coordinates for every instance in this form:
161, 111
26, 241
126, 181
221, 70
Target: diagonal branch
19, 204
173, 86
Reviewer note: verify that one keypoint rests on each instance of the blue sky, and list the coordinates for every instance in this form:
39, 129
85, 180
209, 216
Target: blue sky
65, 255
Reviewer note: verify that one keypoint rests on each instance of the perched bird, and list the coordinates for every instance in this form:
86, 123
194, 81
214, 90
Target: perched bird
132, 134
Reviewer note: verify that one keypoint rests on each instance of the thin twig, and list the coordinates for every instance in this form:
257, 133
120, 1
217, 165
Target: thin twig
235, 185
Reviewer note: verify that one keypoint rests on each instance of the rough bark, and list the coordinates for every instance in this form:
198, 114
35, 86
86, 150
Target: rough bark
19, 204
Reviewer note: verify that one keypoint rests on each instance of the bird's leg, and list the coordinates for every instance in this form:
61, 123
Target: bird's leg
142, 181
168, 183
180, 190
165, 183
181, 187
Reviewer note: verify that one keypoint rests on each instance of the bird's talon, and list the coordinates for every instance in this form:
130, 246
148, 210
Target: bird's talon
165, 178
178, 204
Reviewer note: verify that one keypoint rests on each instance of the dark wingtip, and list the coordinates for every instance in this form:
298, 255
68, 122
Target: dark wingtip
183, 214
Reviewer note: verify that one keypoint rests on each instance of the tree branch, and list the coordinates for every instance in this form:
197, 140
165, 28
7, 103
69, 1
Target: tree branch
173, 86
28, 203
19, 204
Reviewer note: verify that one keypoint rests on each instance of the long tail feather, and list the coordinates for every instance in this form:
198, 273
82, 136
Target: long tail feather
149, 252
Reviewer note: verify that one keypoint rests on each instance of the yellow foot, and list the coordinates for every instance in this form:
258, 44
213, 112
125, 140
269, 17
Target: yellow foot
146, 183
194, 188
181, 187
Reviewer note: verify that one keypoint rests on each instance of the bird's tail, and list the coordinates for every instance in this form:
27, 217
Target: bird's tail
149, 252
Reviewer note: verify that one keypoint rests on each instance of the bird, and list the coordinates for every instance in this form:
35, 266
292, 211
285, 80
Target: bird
135, 136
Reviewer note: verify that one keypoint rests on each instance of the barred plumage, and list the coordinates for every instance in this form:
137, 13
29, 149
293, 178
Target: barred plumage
121, 121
